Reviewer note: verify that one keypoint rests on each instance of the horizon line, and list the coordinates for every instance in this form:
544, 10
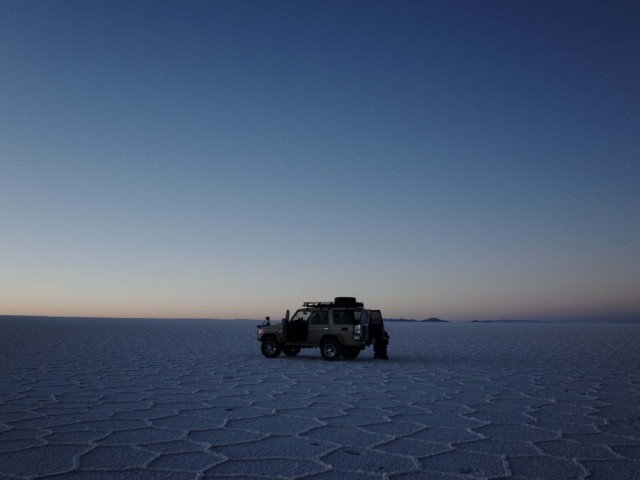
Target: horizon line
632, 319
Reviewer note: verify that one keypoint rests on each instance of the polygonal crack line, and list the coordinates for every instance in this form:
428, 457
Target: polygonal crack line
616, 455
379, 409
262, 435
40, 436
534, 409
619, 456
321, 404
76, 461
184, 435
215, 402
42, 443
605, 421
210, 446
261, 412
148, 420
266, 477
26, 384
222, 459
170, 412
502, 458
80, 423
585, 471
374, 451
284, 414
469, 416
95, 442
505, 465
316, 458
529, 420
536, 447
633, 438
200, 406
602, 403
472, 431
422, 428
377, 444
225, 422
558, 433
466, 407
62, 422
28, 411
13, 405
91, 443
448, 447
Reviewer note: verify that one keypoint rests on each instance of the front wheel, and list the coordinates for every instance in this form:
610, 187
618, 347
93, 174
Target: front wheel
291, 351
330, 349
270, 347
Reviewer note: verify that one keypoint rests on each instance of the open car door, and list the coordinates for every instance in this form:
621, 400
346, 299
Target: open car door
376, 326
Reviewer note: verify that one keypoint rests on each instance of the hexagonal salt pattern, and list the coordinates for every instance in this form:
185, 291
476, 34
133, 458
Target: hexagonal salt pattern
182, 399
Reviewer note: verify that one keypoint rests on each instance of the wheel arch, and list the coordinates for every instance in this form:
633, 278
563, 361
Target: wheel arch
330, 336
274, 335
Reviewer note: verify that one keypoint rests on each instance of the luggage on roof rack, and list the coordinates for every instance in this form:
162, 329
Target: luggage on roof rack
347, 302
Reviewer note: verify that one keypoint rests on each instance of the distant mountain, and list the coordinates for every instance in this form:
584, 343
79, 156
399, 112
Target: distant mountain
506, 321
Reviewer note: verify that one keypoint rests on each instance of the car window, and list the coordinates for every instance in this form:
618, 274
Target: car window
319, 318
376, 316
343, 317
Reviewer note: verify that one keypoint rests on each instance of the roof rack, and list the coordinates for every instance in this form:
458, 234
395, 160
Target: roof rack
317, 304
333, 304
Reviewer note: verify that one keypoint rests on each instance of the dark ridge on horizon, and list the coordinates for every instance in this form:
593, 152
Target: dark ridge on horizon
506, 320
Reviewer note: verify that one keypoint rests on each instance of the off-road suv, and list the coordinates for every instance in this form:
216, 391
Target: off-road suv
342, 328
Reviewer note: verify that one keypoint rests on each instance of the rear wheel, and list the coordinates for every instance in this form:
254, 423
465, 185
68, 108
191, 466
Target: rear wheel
291, 351
350, 352
330, 349
270, 347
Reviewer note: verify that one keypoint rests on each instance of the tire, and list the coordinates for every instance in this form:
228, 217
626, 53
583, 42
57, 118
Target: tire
331, 349
291, 351
350, 352
270, 347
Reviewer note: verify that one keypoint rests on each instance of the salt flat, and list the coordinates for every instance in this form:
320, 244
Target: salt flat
174, 399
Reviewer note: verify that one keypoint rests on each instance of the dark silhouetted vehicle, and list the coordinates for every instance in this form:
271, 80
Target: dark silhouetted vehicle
341, 329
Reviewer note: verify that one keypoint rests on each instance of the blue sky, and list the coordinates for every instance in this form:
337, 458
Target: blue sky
233, 159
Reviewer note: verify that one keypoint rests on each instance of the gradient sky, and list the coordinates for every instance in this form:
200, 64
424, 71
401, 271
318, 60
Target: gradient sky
231, 159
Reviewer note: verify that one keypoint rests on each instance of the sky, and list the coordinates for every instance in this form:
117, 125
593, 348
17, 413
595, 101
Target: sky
232, 159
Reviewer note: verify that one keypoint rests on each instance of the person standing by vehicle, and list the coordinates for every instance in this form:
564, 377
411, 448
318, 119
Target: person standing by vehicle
380, 344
